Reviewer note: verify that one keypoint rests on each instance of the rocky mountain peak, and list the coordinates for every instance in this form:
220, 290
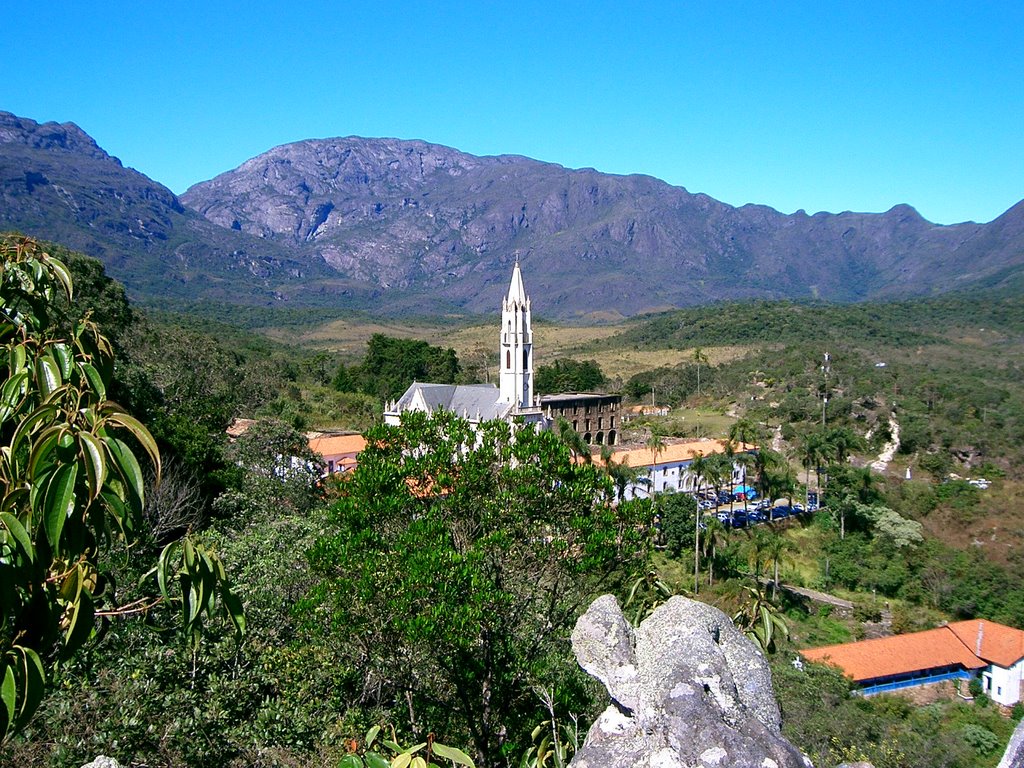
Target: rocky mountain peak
51, 136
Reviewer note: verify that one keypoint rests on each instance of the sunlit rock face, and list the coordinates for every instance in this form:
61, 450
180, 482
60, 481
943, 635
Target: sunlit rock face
687, 689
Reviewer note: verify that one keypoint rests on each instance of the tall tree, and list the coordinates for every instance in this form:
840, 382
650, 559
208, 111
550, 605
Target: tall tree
457, 563
699, 357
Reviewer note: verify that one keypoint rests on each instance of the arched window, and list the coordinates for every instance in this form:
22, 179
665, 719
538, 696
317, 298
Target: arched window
508, 359
600, 438
611, 437
526, 359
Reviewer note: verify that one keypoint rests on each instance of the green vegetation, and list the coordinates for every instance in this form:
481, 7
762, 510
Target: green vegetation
391, 365
72, 488
567, 375
432, 590
458, 562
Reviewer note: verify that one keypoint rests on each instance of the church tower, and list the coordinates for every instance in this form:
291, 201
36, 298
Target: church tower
516, 363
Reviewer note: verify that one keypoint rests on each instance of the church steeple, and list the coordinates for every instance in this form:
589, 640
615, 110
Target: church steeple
516, 348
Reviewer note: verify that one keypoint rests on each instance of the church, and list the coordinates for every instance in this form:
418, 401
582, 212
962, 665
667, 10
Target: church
512, 400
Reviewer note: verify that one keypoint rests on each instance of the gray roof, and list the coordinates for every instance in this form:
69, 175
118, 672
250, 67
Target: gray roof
469, 400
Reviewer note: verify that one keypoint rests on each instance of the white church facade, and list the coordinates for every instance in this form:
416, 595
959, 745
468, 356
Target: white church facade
512, 400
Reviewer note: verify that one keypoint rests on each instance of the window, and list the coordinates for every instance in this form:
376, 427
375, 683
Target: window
508, 359
526, 359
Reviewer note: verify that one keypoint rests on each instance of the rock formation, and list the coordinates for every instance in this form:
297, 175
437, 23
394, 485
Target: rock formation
687, 688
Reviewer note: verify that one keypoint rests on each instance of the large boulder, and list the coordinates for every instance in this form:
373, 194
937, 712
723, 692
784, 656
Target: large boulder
687, 689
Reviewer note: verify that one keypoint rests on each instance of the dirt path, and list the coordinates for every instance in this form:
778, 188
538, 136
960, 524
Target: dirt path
819, 597
890, 448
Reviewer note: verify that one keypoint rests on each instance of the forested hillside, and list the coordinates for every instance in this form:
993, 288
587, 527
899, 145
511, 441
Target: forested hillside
416, 594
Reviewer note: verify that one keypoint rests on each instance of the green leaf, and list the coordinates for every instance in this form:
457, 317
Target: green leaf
419, 762
140, 433
402, 760
373, 760
350, 761
8, 694
17, 358
236, 613
33, 684
163, 568
371, 735
62, 274
81, 625
47, 374
19, 534
453, 754
92, 376
63, 357
95, 462
128, 467
59, 502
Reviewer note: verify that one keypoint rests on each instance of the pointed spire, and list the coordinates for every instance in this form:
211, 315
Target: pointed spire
516, 291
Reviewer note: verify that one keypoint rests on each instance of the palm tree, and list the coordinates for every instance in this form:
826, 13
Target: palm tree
757, 550
812, 452
572, 439
698, 468
744, 431
777, 547
621, 474
656, 445
699, 357
747, 461
715, 534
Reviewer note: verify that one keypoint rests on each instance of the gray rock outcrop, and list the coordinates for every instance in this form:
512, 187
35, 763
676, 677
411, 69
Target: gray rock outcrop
102, 761
688, 691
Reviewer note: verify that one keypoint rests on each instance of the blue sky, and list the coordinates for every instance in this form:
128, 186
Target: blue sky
820, 106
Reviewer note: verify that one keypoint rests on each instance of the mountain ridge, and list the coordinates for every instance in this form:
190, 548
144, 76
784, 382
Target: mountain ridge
409, 225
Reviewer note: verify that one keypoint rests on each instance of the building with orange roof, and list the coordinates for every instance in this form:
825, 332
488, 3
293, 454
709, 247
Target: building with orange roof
668, 469
339, 452
962, 650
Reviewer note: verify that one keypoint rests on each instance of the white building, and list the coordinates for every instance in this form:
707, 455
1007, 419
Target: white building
958, 651
669, 469
513, 400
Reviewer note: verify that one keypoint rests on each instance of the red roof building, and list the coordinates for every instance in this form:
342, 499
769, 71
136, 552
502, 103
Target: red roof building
960, 650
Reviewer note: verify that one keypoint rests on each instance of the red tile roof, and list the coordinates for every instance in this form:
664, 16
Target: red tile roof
999, 644
672, 453
897, 655
333, 445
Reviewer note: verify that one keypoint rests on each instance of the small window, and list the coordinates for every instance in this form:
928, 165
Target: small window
999, 690
508, 359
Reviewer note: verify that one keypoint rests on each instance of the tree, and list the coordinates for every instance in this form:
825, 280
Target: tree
777, 548
699, 468
70, 483
715, 534
456, 564
567, 375
699, 357
392, 364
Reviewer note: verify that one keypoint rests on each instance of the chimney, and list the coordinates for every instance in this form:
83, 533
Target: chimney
981, 636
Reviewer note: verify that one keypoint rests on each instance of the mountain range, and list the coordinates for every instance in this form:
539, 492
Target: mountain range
408, 226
